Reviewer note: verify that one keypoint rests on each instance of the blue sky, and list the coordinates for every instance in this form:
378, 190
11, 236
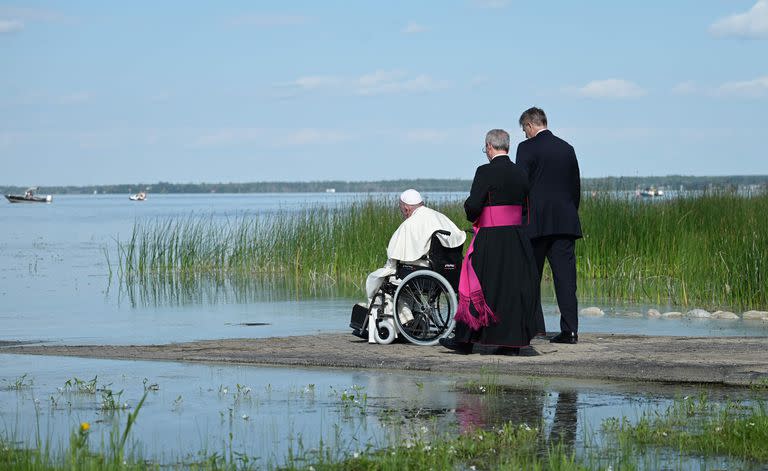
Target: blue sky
98, 92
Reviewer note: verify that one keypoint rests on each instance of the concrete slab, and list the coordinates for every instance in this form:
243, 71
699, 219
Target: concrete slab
738, 361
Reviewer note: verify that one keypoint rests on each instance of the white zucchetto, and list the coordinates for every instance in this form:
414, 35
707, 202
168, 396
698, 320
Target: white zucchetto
411, 197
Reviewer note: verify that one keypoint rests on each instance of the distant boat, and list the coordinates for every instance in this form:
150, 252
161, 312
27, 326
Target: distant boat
140, 196
330, 190
651, 192
29, 197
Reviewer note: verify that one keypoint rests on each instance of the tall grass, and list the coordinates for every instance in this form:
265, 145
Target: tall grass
709, 251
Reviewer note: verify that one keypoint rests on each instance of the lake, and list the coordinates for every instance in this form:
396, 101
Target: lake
55, 286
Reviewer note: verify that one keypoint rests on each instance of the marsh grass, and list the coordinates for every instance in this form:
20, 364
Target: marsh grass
81, 386
696, 426
710, 250
689, 429
487, 384
508, 447
77, 455
17, 384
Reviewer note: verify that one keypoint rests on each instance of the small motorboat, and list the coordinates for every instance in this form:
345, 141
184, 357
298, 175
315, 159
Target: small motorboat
29, 197
651, 192
140, 196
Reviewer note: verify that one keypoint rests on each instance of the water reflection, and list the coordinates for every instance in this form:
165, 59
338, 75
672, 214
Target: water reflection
265, 412
565, 422
177, 290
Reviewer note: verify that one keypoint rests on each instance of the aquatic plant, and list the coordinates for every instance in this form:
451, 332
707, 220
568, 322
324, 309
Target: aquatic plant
110, 400
22, 382
488, 383
709, 250
691, 425
78, 385
697, 426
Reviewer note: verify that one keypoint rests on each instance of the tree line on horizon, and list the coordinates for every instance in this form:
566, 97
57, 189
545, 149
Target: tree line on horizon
669, 182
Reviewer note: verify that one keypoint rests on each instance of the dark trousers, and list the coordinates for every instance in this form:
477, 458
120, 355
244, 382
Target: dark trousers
560, 251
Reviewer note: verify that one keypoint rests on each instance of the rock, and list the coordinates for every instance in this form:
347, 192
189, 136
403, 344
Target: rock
724, 315
632, 314
672, 314
592, 311
699, 313
755, 315
654, 313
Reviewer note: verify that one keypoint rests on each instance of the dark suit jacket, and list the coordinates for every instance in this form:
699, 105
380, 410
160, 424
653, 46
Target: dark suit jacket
553, 173
499, 182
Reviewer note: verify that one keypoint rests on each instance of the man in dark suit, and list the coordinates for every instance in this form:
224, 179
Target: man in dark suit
554, 226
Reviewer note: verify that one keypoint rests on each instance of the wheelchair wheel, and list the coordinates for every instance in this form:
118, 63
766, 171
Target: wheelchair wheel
425, 304
385, 332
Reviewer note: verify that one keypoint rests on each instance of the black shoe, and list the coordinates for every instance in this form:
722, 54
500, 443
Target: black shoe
459, 347
565, 337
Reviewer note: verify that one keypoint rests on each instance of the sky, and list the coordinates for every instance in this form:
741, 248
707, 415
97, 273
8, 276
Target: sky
95, 92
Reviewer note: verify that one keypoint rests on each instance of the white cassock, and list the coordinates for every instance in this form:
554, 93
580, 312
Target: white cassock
410, 243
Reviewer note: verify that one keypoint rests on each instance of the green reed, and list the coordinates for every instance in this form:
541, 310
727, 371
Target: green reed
696, 426
322, 244
708, 251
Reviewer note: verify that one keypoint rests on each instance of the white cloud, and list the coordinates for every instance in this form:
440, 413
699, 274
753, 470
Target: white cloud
314, 82
491, 3
375, 83
752, 24
755, 88
747, 88
266, 136
609, 88
382, 81
414, 28
10, 26
35, 14
431, 136
269, 20
314, 136
228, 136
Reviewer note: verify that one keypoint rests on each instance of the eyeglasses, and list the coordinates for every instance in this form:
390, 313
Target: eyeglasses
485, 149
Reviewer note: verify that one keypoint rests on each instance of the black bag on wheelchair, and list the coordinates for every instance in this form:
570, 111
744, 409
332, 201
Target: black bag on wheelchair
446, 261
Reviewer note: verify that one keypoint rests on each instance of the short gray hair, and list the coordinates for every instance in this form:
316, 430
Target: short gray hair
534, 116
498, 139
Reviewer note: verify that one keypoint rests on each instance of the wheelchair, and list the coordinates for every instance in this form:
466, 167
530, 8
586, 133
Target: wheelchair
417, 303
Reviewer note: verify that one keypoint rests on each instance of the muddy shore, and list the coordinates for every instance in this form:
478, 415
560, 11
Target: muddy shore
735, 361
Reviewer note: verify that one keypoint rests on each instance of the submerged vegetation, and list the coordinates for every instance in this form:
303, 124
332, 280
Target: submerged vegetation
691, 431
709, 250
697, 426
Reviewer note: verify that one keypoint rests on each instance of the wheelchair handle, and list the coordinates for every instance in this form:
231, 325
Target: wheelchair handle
443, 232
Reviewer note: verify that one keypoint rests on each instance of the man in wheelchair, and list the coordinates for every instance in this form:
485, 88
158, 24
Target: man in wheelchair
414, 293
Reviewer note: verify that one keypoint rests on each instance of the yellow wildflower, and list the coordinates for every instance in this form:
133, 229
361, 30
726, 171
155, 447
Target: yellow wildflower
85, 426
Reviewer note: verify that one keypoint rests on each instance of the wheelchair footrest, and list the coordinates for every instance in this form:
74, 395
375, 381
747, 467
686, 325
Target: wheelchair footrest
359, 318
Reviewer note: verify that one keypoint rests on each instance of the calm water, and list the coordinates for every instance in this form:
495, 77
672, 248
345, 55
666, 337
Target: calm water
54, 287
264, 412
54, 283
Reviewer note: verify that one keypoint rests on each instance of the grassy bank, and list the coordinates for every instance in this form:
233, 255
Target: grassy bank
709, 251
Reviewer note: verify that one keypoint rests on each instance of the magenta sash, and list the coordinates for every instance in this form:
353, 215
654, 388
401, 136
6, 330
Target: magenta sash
470, 290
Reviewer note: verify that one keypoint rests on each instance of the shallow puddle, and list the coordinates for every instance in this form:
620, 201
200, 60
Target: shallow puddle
267, 412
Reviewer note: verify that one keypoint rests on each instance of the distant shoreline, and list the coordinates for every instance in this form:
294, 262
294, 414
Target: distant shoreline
669, 182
